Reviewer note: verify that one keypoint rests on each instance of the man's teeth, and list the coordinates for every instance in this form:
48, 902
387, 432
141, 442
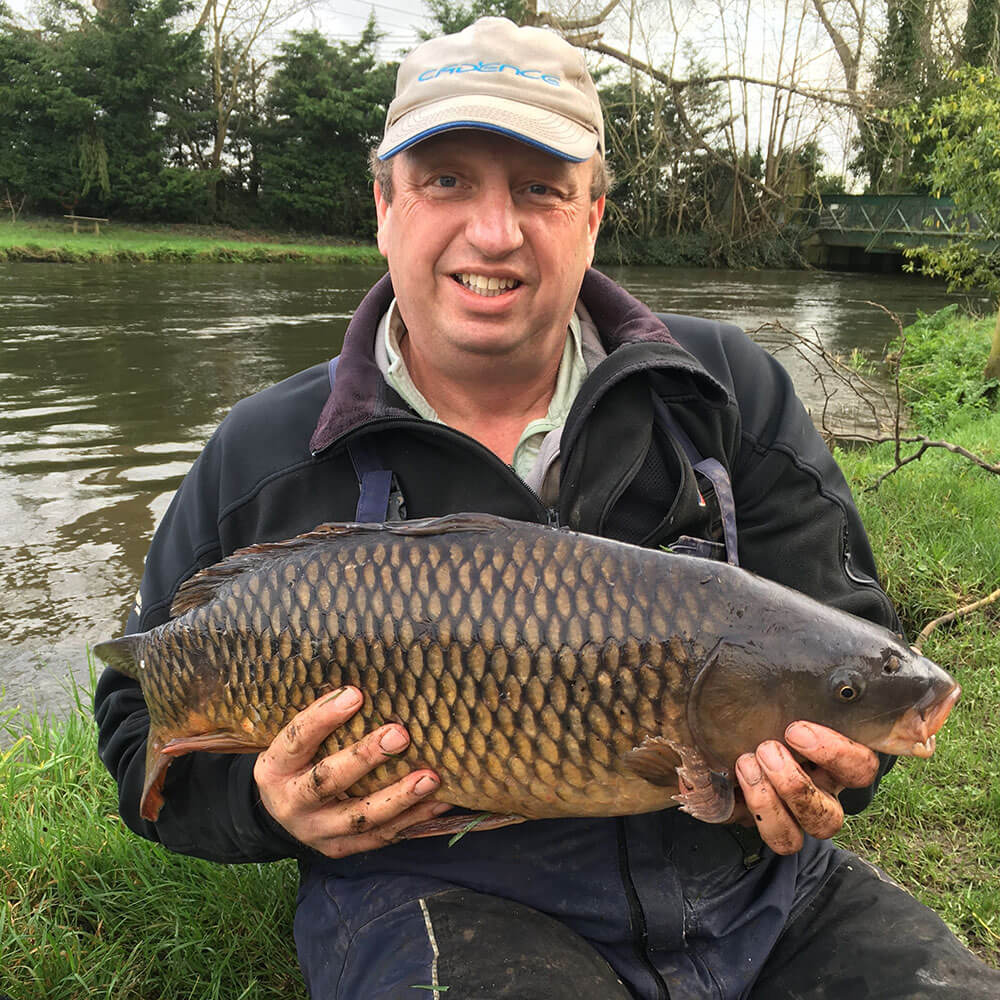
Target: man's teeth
482, 285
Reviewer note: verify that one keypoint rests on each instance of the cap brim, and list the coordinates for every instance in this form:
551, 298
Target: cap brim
542, 129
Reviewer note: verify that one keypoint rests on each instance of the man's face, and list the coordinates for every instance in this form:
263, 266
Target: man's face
487, 241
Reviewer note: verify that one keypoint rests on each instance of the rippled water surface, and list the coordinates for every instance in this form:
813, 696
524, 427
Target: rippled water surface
113, 376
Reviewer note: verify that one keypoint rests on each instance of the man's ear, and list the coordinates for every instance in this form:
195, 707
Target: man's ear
594, 225
382, 209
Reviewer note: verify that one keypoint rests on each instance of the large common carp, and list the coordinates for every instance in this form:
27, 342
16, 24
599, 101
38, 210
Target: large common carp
539, 672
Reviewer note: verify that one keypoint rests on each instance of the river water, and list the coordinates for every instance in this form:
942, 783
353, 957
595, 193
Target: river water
113, 376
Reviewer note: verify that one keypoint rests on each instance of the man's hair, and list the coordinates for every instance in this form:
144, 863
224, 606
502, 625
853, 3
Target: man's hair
600, 182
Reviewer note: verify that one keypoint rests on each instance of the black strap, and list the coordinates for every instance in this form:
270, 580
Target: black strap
379, 496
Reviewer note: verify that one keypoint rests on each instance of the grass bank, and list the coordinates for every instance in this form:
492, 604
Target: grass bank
53, 241
935, 826
93, 911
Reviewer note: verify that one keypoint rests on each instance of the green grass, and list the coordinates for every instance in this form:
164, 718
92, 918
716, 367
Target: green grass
54, 241
942, 369
935, 825
93, 911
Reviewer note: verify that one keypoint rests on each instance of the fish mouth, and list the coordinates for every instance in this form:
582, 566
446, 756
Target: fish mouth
914, 734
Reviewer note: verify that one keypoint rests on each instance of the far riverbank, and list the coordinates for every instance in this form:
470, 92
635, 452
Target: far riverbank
53, 241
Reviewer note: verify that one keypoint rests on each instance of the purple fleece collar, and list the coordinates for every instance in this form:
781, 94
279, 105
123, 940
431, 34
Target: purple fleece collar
361, 394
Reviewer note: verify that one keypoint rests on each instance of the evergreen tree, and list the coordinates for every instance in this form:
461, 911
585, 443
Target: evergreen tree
133, 66
43, 123
325, 108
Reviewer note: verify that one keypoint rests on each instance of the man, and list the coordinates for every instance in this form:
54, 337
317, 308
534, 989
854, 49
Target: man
493, 370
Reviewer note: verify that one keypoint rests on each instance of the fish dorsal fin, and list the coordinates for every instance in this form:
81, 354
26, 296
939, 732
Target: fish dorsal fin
204, 585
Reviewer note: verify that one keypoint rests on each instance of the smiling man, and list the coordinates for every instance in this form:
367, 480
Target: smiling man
494, 370
483, 312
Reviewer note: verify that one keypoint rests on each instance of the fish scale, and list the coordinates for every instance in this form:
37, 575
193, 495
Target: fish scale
539, 672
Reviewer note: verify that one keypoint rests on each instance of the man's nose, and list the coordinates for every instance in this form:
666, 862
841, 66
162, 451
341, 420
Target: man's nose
494, 227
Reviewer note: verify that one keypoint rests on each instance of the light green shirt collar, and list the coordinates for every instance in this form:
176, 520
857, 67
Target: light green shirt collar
572, 372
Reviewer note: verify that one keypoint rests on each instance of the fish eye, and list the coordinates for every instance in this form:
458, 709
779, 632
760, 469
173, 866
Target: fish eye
847, 686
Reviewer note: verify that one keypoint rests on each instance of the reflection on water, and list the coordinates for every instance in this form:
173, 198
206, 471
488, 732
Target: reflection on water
113, 377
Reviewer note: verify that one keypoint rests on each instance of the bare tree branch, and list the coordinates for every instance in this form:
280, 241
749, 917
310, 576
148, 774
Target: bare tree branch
947, 619
822, 97
849, 60
547, 18
829, 369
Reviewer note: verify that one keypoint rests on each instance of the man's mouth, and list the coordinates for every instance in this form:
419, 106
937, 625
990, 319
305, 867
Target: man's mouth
482, 285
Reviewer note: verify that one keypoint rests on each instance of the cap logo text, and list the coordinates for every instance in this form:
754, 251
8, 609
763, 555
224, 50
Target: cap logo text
488, 67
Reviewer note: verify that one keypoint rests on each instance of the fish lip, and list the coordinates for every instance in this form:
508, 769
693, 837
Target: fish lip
913, 735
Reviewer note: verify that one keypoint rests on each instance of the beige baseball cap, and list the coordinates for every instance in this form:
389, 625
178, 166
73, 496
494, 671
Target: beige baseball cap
528, 83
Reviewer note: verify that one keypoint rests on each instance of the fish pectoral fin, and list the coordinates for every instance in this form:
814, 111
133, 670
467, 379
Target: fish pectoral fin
460, 824
705, 794
656, 759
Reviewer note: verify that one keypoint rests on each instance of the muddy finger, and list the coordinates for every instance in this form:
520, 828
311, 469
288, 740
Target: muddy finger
333, 775
380, 819
817, 812
383, 809
850, 764
777, 827
297, 744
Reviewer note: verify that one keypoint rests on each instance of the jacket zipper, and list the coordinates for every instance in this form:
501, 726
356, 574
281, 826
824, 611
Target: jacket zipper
637, 917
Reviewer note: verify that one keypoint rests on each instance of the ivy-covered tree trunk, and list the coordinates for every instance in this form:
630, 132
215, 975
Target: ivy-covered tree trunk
981, 34
992, 369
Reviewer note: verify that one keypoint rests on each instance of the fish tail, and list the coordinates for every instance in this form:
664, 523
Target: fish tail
122, 655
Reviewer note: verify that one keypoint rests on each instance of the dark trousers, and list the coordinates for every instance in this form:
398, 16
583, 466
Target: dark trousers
860, 938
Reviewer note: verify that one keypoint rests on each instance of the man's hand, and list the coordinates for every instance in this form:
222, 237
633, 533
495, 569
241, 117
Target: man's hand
786, 800
309, 799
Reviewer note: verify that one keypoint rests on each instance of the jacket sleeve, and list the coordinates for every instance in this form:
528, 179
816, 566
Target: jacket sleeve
212, 807
796, 518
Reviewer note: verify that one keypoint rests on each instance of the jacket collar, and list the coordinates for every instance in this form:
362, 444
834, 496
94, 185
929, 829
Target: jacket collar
360, 393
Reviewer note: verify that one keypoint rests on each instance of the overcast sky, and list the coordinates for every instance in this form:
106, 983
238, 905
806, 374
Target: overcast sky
751, 29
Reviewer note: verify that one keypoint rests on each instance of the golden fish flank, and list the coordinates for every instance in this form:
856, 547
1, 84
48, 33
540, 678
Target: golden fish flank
539, 672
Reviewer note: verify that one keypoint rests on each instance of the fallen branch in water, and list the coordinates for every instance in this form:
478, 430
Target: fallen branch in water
833, 374
947, 619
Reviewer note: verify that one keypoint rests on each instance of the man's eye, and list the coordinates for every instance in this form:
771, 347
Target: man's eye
540, 189
446, 181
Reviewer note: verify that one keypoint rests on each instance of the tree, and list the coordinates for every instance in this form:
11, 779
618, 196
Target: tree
325, 108
453, 15
660, 173
905, 67
981, 34
963, 128
132, 64
42, 123
236, 31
